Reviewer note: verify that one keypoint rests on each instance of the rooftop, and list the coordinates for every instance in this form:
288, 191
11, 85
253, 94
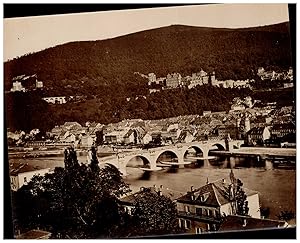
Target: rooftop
235, 222
16, 169
213, 194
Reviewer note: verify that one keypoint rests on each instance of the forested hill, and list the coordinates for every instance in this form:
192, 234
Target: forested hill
88, 66
103, 72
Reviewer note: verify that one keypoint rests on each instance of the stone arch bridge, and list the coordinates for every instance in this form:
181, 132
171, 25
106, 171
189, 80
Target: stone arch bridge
150, 156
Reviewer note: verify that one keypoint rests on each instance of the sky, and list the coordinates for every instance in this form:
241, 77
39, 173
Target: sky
32, 34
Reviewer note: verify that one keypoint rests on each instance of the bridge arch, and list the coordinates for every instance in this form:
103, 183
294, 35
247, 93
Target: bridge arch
196, 147
109, 163
146, 161
218, 146
171, 151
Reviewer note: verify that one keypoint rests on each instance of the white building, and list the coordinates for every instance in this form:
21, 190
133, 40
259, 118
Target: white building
17, 86
21, 174
202, 209
56, 100
147, 138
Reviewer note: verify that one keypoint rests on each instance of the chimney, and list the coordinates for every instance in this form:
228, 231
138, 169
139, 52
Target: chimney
192, 188
224, 181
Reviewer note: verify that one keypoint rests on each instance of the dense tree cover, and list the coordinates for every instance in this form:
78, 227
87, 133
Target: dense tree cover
25, 112
81, 202
152, 214
155, 214
90, 66
77, 201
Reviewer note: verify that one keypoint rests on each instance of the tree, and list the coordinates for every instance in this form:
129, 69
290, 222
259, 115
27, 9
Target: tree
286, 215
237, 196
153, 214
77, 201
99, 137
92, 153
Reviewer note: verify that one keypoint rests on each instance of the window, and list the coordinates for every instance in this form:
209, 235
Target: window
199, 211
187, 224
182, 223
198, 230
187, 209
25, 179
208, 227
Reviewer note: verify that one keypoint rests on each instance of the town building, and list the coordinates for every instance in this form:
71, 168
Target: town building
17, 86
147, 138
25, 82
55, 99
281, 130
202, 209
130, 137
39, 84
86, 141
128, 201
288, 85
258, 135
185, 136
238, 107
21, 174
116, 136
173, 80
223, 131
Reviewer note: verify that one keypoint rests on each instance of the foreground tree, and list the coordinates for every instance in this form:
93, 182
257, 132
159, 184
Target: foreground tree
237, 196
77, 201
152, 214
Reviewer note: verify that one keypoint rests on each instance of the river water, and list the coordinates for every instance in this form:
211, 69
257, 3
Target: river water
276, 185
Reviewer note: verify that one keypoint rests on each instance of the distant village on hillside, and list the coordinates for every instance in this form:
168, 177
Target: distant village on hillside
25, 83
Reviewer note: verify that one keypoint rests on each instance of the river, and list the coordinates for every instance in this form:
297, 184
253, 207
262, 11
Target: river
276, 186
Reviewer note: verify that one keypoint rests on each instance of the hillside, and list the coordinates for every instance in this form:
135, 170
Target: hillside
103, 71
231, 53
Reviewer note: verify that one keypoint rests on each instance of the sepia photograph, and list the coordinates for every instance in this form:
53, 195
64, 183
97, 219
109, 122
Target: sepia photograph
149, 121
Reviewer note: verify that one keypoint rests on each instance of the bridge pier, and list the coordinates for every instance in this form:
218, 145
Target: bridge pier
232, 162
205, 152
122, 168
206, 163
269, 164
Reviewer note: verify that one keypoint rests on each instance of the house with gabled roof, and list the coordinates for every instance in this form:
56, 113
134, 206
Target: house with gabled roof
185, 136
21, 174
258, 135
203, 209
130, 137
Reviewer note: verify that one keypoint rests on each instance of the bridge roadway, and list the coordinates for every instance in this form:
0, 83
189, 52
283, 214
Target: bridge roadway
262, 152
150, 156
